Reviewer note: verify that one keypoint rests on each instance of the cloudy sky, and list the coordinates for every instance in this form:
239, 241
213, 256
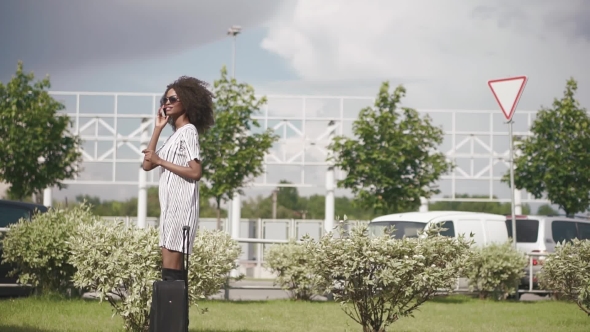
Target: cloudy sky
442, 51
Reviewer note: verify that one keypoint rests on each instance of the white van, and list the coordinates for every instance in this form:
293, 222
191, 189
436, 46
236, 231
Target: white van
486, 228
540, 234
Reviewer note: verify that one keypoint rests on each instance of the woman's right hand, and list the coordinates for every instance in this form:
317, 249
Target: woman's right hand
161, 119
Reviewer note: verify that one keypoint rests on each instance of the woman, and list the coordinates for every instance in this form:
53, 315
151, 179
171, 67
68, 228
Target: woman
187, 106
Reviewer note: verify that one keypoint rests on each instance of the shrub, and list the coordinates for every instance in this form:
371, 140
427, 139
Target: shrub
214, 256
567, 272
293, 264
496, 270
380, 279
39, 250
122, 262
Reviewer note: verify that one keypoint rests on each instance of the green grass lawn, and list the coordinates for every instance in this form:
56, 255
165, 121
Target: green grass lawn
455, 313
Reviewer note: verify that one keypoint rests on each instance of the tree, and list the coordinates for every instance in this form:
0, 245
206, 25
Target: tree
288, 196
554, 159
546, 210
37, 149
391, 162
232, 154
129, 207
261, 207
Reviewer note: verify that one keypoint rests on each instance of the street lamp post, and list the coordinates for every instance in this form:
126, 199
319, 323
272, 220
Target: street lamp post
235, 207
330, 183
234, 31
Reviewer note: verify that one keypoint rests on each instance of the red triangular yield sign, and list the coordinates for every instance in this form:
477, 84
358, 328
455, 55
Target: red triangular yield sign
507, 92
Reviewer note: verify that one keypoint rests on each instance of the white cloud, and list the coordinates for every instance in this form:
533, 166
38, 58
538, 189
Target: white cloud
443, 51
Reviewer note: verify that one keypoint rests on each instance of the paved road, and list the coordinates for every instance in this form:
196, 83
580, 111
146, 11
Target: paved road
534, 297
255, 294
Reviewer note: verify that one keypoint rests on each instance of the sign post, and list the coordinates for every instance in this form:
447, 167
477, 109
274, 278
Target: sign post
507, 92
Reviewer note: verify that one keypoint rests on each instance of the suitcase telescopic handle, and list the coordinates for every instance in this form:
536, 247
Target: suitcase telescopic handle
185, 244
185, 232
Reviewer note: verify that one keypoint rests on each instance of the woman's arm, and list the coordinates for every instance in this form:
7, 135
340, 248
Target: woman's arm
148, 165
159, 125
193, 172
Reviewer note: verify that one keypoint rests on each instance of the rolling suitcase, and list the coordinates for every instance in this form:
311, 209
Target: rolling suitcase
169, 309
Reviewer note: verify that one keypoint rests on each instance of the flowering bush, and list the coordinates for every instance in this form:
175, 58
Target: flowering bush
293, 264
567, 272
39, 248
120, 263
381, 279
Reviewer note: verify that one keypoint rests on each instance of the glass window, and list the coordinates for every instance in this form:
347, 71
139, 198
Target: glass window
11, 214
450, 229
527, 230
564, 231
584, 230
402, 228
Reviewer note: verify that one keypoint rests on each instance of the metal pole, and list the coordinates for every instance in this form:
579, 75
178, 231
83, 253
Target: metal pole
329, 203
512, 182
233, 66
330, 184
234, 31
274, 204
142, 194
235, 225
47, 200
423, 205
235, 217
235, 205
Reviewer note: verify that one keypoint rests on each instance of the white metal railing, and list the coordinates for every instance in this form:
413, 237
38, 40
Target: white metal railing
458, 288
255, 256
259, 234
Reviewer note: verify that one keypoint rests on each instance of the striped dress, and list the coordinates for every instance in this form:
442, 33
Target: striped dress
179, 197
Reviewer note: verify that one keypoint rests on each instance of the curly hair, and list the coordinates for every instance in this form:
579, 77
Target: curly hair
197, 101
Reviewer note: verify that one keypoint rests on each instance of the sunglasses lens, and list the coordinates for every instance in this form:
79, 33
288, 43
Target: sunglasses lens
171, 99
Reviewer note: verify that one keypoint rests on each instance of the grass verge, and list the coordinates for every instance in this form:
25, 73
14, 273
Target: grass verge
456, 313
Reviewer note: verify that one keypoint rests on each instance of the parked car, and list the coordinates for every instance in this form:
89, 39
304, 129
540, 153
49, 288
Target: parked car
540, 234
11, 212
486, 228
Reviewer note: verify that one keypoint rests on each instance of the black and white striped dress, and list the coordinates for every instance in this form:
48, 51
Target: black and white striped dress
179, 197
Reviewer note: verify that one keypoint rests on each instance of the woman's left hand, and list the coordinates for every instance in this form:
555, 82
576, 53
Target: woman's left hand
152, 157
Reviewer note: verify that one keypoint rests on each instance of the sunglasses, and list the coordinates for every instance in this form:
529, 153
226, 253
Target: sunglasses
171, 99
